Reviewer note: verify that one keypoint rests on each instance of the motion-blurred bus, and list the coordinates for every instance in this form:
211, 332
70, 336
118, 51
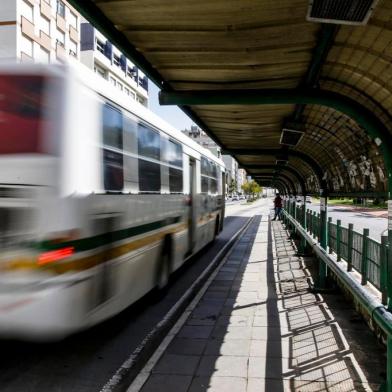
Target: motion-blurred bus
100, 200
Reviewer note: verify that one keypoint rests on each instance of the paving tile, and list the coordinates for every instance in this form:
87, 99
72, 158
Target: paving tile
235, 320
231, 332
265, 385
187, 346
177, 364
218, 384
270, 348
262, 367
223, 366
167, 383
234, 347
195, 332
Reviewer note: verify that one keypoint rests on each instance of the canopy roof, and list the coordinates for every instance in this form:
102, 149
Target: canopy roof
226, 45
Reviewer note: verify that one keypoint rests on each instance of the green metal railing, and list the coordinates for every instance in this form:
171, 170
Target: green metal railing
363, 254
367, 256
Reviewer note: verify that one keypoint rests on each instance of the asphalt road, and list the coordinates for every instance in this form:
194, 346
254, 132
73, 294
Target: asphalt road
360, 220
85, 362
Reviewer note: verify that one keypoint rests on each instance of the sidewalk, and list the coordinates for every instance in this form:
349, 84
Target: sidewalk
258, 328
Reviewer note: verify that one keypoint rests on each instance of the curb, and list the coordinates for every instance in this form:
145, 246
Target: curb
129, 370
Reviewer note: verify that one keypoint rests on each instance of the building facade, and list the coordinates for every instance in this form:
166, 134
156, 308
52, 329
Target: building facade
52, 31
98, 54
235, 177
46, 31
200, 137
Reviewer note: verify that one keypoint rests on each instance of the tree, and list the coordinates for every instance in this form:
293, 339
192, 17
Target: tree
233, 186
252, 188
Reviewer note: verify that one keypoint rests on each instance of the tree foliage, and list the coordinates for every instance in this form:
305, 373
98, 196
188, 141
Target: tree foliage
251, 188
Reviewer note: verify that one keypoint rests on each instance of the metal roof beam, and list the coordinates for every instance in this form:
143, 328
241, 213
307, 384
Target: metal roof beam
362, 115
287, 180
278, 170
325, 41
314, 166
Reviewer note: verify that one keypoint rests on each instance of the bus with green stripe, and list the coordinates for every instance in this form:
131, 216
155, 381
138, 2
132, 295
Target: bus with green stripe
100, 200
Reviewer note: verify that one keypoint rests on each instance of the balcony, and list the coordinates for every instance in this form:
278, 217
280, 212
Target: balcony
73, 34
46, 9
28, 28
60, 22
25, 58
45, 41
60, 51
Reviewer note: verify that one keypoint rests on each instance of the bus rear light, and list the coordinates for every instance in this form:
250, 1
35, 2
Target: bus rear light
55, 255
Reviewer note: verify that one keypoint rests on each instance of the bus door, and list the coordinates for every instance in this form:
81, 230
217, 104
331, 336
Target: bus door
192, 218
223, 200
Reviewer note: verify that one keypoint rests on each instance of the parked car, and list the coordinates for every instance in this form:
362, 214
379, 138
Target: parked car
308, 199
235, 198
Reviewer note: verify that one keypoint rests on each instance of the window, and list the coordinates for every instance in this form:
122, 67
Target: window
209, 176
116, 60
100, 71
60, 8
60, 38
45, 25
131, 72
27, 11
27, 46
73, 48
42, 56
174, 158
100, 46
149, 149
112, 128
73, 20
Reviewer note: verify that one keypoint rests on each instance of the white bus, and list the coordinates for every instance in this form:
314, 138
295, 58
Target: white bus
100, 200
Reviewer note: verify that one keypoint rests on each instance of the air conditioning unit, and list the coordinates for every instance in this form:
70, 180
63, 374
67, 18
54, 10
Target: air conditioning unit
351, 12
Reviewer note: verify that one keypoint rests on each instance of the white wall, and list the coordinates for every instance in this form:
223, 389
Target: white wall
7, 10
8, 43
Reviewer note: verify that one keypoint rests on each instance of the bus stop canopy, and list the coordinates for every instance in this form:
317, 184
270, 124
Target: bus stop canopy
277, 85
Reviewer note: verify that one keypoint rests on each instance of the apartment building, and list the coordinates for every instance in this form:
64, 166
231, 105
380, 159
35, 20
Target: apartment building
111, 64
46, 31
52, 31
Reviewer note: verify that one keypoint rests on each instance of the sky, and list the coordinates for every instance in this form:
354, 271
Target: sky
172, 114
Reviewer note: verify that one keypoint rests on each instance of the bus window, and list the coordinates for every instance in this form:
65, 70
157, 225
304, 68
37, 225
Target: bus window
149, 157
174, 158
204, 169
112, 150
24, 114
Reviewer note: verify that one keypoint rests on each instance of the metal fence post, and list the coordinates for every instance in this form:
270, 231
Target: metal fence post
338, 237
304, 219
384, 269
329, 235
350, 247
364, 263
317, 226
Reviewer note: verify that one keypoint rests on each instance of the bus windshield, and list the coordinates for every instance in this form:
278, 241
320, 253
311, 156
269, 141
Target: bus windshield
22, 114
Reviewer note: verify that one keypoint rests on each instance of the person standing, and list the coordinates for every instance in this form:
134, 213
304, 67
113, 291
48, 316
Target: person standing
278, 206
